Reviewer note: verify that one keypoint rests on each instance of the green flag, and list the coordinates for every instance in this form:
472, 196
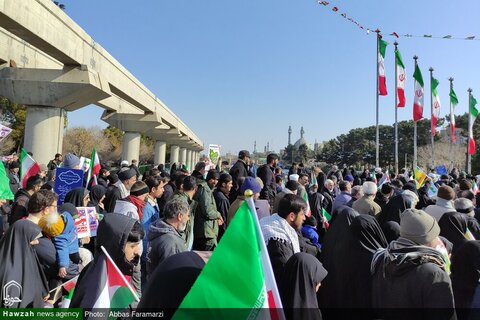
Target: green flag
326, 215
236, 283
5, 191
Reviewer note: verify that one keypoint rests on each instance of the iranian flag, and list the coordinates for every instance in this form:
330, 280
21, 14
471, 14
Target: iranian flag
400, 80
5, 191
418, 100
453, 104
435, 105
250, 291
382, 84
114, 289
28, 167
94, 169
471, 121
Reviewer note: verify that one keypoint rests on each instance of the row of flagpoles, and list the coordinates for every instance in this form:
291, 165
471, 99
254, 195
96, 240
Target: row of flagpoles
400, 101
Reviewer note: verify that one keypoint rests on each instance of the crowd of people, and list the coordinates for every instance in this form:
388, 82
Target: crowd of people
374, 243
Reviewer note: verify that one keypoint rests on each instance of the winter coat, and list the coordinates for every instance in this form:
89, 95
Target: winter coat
279, 252
411, 286
164, 241
14, 181
365, 205
342, 199
66, 243
126, 208
19, 207
206, 214
150, 215
269, 190
188, 233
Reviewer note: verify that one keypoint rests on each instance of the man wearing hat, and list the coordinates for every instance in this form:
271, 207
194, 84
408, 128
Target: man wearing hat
445, 198
71, 161
409, 276
120, 189
249, 183
133, 204
238, 171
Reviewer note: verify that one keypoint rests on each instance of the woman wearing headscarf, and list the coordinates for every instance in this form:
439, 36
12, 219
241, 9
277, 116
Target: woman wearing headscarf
334, 238
351, 273
79, 197
391, 230
301, 280
121, 236
97, 194
22, 279
171, 281
453, 226
465, 277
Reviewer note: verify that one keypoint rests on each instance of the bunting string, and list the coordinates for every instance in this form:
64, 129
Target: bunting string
336, 10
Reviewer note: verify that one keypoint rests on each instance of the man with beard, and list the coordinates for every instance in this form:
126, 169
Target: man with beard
266, 173
165, 239
280, 231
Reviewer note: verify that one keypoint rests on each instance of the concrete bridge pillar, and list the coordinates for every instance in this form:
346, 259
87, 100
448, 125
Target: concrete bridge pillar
44, 132
183, 156
189, 159
131, 146
160, 152
174, 151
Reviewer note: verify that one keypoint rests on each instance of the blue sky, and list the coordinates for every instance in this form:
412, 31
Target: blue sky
240, 71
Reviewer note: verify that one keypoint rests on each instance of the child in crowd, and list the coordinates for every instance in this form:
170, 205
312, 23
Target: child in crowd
309, 230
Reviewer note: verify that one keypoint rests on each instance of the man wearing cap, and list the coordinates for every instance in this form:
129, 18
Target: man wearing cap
133, 204
207, 218
238, 171
266, 173
249, 183
366, 205
71, 161
445, 198
120, 189
409, 276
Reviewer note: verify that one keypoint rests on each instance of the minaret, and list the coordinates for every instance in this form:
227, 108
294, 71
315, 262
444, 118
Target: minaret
255, 147
289, 135
268, 146
301, 133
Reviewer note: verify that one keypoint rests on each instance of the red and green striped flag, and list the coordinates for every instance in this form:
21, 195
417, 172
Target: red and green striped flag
436, 106
401, 79
95, 167
473, 116
28, 167
241, 257
453, 104
418, 100
382, 83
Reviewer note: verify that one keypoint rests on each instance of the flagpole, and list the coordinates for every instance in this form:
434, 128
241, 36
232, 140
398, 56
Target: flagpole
396, 110
451, 132
377, 134
415, 129
469, 157
431, 117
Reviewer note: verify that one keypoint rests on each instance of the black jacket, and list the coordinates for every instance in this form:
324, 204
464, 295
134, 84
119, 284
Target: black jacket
411, 287
102, 181
19, 207
269, 190
279, 252
239, 170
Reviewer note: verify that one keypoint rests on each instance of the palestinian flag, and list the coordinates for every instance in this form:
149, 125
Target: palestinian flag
385, 178
5, 191
94, 169
116, 291
453, 103
382, 83
241, 257
471, 121
28, 167
418, 100
436, 106
401, 78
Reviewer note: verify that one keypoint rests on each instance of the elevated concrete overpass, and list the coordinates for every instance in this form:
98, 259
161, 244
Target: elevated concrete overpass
50, 64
